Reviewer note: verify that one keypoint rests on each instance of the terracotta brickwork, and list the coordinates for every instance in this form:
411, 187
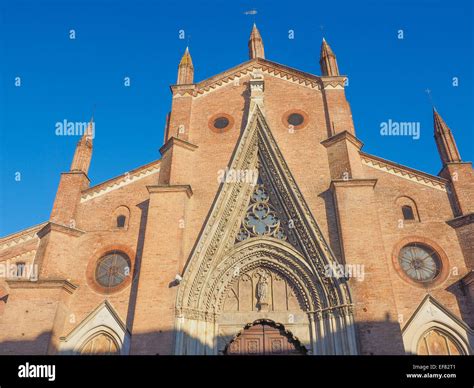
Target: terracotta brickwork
356, 200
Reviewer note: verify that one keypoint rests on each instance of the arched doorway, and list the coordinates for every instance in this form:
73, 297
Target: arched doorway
265, 337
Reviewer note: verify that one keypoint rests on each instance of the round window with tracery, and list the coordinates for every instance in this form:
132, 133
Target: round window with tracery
419, 262
112, 269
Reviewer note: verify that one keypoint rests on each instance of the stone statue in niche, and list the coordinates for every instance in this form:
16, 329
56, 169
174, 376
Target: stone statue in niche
262, 291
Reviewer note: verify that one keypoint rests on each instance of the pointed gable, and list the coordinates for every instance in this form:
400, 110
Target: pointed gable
225, 219
432, 315
103, 320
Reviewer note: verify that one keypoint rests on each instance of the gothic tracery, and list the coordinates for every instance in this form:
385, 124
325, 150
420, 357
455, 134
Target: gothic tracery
261, 219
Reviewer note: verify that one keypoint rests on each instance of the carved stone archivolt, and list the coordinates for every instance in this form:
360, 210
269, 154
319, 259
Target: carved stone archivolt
263, 253
256, 236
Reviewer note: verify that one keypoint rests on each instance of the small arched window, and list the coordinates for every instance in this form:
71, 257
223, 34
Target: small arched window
408, 213
20, 269
409, 210
121, 221
120, 218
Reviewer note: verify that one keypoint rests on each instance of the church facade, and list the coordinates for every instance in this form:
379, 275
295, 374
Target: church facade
263, 229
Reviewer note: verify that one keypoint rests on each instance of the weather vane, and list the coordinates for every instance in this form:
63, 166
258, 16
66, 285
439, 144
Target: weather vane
252, 12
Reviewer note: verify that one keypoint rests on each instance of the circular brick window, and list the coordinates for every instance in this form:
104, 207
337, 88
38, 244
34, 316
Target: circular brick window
420, 262
295, 119
111, 270
221, 122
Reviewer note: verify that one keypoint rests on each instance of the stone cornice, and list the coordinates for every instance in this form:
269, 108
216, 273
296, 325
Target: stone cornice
453, 164
76, 173
52, 226
171, 189
178, 142
344, 135
334, 82
461, 221
403, 171
182, 88
352, 183
43, 283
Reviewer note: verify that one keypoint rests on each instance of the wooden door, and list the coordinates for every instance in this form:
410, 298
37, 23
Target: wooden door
264, 339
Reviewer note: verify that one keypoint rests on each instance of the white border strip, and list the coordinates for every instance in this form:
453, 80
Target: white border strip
415, 178
124, 182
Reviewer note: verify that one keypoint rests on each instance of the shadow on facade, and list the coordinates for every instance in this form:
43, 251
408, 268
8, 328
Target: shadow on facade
331, 219
373, 338
35, 346
138, 263
465, 303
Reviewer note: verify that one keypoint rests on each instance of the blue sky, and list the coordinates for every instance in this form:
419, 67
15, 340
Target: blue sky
63, 78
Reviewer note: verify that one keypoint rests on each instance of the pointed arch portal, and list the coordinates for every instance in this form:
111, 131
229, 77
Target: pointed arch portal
261, 255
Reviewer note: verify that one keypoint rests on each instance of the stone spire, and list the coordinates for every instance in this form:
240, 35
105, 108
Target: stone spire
83, 155
185, 69
448, 151
256, 44
328, 61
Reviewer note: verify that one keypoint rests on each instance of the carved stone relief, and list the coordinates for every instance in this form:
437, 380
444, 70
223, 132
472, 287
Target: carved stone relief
261, 290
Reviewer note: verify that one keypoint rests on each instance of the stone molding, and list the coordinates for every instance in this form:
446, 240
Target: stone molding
171, 189
172, 141
52, 226
43, 283
344, 135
